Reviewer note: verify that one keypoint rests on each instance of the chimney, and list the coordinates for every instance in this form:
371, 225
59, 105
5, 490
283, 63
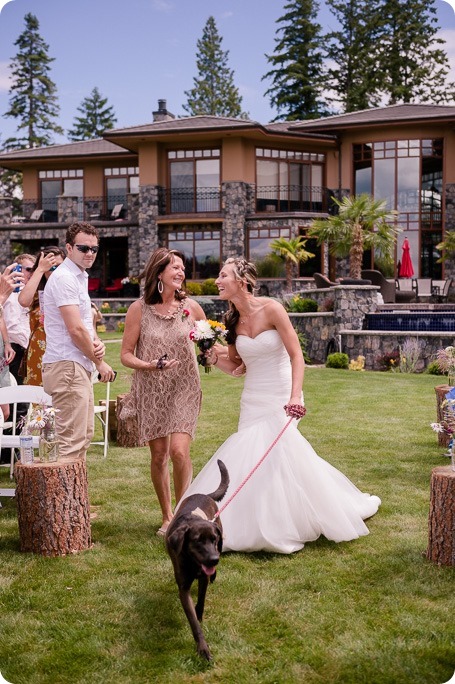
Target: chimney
162, 114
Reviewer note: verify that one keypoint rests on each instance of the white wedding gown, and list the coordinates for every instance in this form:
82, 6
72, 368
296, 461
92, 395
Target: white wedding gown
294, 496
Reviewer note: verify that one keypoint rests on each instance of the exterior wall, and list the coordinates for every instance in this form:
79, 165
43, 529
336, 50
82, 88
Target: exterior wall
6, 210
235, 202
148, 165
449, 225
234, 161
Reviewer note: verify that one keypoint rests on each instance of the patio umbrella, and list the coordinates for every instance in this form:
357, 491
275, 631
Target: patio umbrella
406, 268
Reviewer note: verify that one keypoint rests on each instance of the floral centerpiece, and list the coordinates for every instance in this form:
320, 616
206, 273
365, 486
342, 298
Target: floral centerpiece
445, 359
206, 334
42, 419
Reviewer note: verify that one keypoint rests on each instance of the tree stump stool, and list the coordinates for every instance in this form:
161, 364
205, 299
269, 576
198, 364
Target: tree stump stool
441, 520
441, 391
53, 507
127, 428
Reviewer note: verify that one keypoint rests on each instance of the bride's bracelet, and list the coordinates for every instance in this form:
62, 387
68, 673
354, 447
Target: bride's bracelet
295, 410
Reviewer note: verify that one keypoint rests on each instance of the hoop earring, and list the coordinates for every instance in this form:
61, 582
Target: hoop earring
160, 286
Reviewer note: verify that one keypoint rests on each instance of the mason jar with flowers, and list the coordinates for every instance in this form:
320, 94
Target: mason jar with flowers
42, 419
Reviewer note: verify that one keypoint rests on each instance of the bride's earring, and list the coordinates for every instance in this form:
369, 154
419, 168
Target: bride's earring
160, 287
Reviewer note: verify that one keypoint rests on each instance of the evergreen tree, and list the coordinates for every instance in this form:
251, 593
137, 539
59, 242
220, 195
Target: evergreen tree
413, 64
214, 91
351, 52
297, 74
33, 94
96, 118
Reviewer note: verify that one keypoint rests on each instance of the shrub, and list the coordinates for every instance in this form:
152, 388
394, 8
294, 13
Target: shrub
121, 326
105, 307
303, 346
101, 328
209, 287
357, 364
122, 309
193, 288
433, 368
389, 360
337, 360
298, 304
409, 356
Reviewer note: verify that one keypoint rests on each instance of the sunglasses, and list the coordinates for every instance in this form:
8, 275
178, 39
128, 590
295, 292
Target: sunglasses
28, 268
85, 248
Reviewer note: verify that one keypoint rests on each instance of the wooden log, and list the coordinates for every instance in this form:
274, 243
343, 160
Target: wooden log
441, 391
441, 520
53, 507
127, 428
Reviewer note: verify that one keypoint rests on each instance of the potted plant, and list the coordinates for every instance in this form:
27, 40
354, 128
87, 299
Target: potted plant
362, 223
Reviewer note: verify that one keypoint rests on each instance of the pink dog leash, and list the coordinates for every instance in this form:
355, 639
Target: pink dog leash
295, 411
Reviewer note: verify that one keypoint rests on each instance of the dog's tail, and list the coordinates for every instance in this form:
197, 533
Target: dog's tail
224, 484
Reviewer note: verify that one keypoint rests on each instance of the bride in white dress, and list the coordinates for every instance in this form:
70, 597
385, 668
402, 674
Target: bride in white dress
294, 496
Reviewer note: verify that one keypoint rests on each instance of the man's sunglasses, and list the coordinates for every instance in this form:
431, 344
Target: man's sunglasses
85, 248
29, 269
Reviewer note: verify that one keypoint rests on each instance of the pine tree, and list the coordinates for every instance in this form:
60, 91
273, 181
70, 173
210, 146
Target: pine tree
352, 52
297, 76
214, 91
413, 64
96, 118
33, 94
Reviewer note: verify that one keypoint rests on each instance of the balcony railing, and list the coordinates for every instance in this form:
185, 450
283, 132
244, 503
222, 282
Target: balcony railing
291, 198
83, 209
190, 201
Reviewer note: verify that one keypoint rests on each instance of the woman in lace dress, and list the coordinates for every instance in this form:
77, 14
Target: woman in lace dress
165, 392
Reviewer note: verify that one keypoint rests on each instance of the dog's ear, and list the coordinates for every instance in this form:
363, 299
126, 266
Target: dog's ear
176, 540
219, 543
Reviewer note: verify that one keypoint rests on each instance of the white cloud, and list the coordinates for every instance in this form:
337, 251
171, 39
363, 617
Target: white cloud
3, 3
5, 81
451, 3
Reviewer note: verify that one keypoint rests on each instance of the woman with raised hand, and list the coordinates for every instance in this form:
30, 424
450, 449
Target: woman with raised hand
165, 392
46, 262
294, 496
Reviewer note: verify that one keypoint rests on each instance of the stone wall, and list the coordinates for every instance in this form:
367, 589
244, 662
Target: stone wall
6, 210
144, 240
235, 201
449, 226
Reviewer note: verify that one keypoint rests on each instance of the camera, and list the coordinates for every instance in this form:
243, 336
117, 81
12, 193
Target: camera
115, 375
17, 268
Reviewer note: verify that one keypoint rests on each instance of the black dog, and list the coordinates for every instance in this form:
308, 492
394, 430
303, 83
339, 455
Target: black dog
194, 544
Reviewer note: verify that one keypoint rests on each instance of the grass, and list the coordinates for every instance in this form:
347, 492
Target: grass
373, 610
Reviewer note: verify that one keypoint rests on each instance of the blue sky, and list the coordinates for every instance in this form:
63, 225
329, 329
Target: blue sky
139, 51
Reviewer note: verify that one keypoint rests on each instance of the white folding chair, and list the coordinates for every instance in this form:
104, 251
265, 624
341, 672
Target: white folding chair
3, 491
102, 413
20, 394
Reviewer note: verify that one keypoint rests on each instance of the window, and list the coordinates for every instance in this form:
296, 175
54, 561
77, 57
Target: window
259, 250
52, 183
288, 180
194, 180
201, 246
407, 174
120, 181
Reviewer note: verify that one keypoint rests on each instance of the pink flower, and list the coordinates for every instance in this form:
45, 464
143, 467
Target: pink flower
185, 314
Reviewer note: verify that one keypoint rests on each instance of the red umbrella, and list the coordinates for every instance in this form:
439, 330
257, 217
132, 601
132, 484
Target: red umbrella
406, 268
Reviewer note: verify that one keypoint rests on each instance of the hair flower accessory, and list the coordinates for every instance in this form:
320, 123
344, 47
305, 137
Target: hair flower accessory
205, 334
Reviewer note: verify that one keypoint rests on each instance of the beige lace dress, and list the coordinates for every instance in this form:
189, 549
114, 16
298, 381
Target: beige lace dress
165, 402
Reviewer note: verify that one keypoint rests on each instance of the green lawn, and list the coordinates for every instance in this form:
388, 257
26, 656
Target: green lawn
370, 611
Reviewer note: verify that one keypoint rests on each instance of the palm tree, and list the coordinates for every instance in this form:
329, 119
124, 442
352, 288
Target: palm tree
361, 223
293, 252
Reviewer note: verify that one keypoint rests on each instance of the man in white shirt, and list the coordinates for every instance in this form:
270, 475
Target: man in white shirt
72, 351
17, 318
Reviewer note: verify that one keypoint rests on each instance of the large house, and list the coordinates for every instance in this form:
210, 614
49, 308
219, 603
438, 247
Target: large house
216, 187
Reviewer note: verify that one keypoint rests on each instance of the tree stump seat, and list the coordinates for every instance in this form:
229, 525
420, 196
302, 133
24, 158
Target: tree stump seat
127, 428
53, 507
441, 520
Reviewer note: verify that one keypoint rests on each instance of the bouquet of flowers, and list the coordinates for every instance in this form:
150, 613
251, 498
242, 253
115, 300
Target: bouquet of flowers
447, 424
206, 334
42, 418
